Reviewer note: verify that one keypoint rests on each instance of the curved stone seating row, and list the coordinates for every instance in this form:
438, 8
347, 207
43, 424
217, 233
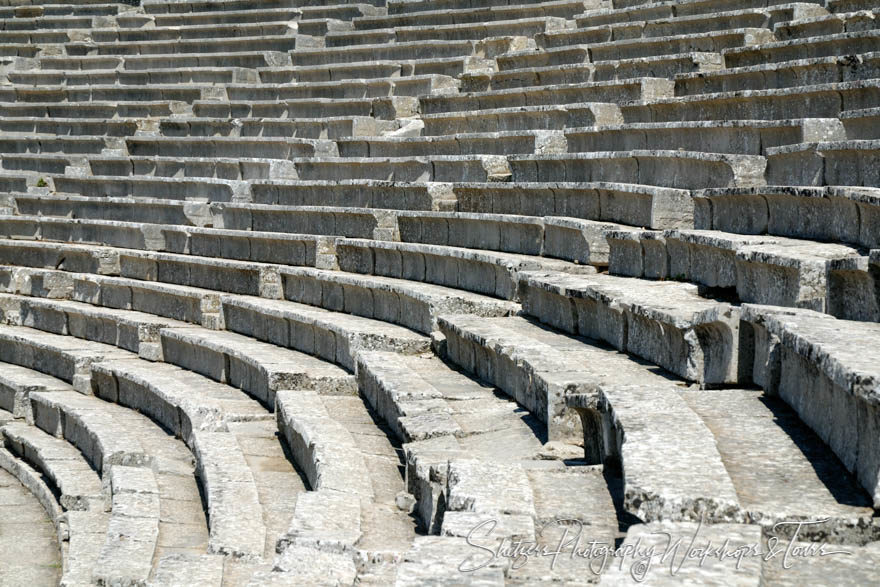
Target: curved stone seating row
666, 323
813, 101
542, 117
78, 485
351, 515
825, 163
820, 46
112, 437
328, 335
261, 247
591, 33
466, 448
257, 368
800, 354
80, 534
759, 269
485, 272
471, 14
832, 214
787, 74
30, 531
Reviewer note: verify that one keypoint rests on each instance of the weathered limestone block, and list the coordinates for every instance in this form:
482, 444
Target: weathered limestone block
823, 368
666, 323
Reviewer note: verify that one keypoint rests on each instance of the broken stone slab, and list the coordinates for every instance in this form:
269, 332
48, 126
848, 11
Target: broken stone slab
414, 305
235, 513
78, 485
580, 241
436, 559
670, 471
311, 565
488, 489
821, 367
666, 323
322, 447
480, 271
331, 336
674, 169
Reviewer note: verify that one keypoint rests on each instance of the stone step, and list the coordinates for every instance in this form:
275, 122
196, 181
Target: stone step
544, 117
711, 42
675, 169
66, 358
356, 193
81, 534
69, 126
787, 74
678, 25
816, 101
316, 128
109, 437
861, 124
472, 14
346, 89
540, 368
282, 43
46, 22
824, 46
582, 71
828, 24
638, 89
242, 59
91, 110
71, 8
451, 66
250, 13
798, 352
645, 11
524, 27
133, 531
104, 93
63, 466
490, 143
418, 6
227, 147
412, 305
281, 248
187, 6
485, 272
800, 481
192, 194
31, 543
826, 162
331, 336
437, 168
747, 137
13, 144
202, 75
321, 220
833, 214
760, 269
206, 569
189, 32
386, 108
666, 323
256, 368
384, 52
812, 569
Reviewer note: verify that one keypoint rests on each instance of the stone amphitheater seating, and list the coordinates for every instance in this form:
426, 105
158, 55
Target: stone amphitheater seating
296, 292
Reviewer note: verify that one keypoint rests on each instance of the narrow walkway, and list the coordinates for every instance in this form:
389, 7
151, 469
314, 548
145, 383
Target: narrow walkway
29, 553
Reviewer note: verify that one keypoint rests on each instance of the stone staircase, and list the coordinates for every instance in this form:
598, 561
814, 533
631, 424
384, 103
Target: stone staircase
418, 292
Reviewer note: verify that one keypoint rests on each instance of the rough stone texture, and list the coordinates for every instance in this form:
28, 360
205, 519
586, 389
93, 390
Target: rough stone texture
389, 222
